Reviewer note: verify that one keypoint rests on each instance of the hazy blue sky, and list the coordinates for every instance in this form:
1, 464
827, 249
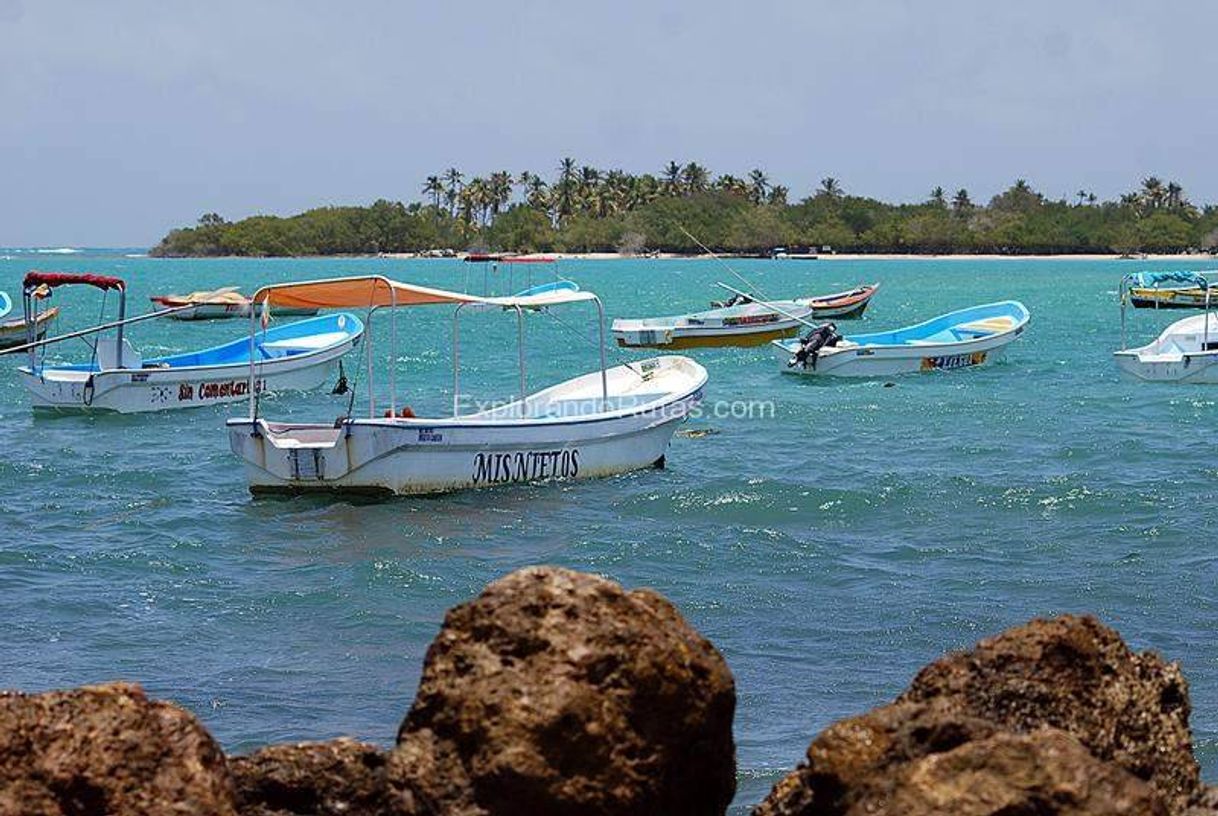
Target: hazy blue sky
120, 119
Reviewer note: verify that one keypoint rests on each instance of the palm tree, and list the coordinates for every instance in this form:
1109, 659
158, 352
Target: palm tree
452, 176
434, 188
830, 187
731, 184
1174, 196
1081, 195
672, 178
499, 191
961, 203
1091, 199
1153, 192
695, 177
564, 198
759, 186
778, 195
938, 197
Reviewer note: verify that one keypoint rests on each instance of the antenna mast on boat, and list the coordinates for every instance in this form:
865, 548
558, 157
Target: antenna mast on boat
725, 264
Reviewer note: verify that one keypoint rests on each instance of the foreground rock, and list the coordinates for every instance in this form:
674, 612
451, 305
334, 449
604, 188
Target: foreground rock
556, 692
1053, 717
107, 750
317, 778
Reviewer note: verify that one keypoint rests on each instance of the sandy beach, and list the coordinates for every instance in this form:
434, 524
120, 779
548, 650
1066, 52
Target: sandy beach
837, 256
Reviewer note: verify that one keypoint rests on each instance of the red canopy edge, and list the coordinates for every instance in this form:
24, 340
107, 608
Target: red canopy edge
53, 279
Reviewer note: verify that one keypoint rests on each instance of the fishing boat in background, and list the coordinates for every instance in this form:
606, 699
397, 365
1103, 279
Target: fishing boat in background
841, 305
226, 302
959, 339
14, 332
609, 421
1165, 290
748, 323
1186, 350
296, 356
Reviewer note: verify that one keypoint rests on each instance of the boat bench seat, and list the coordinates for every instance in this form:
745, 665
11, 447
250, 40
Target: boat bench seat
299, 345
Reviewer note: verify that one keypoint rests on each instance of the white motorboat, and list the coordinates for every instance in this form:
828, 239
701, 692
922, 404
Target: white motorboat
297, 356
606, 422
959, 339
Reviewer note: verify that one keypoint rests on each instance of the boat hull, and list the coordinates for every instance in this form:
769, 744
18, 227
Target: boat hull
161, 386
425, 456
1167, 298
1198, 367
842, 306
13, 332
709, 339
878, 359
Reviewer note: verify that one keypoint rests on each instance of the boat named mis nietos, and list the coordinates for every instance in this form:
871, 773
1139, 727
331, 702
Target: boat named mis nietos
609, 421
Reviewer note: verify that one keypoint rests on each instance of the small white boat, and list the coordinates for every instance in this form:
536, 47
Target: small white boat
296, 356
746, 324
960, 339
216, 305
1185, 351
610, 421
842, 305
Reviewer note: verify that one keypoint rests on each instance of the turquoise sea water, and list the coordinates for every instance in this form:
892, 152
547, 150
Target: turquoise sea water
829, 550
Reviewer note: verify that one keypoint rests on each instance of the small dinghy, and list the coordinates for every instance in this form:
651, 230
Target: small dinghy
744, 324
1165, 290
15, 332
218, 304
609, 421
841, 305
960, 339
1185, 351
297, 356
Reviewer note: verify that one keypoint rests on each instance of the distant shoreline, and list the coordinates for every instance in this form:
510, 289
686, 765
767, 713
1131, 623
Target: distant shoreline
840, 256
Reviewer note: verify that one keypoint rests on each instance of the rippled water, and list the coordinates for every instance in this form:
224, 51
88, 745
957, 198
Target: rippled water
829, 550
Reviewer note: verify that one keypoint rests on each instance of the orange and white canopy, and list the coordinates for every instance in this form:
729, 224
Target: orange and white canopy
377, 291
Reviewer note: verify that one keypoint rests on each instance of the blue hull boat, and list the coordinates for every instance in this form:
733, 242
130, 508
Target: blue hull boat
294, 357
959, 339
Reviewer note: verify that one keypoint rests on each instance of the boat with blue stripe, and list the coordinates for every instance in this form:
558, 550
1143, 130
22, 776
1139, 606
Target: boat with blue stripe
292, 357
960, 339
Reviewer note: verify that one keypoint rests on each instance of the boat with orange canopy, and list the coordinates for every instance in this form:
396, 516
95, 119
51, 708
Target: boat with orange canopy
608, 421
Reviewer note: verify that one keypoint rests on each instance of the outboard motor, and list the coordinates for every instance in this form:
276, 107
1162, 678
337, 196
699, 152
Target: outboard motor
825, 336
734, 300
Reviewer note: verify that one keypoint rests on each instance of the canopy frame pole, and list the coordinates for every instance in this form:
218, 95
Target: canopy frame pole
393, 351
524, 388
371, 385
29, 308
122, 315
457, 360
600, 311
253, 331
1205, 340
1124, 280
91, 330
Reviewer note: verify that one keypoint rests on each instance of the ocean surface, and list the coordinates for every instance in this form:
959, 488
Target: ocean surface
829, 538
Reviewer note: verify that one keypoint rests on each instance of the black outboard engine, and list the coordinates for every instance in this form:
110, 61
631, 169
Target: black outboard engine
734, 300
825, 336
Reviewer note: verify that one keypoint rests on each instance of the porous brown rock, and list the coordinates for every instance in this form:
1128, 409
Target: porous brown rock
1051, 704
556, 692
107, 749
335, 778
1076, 674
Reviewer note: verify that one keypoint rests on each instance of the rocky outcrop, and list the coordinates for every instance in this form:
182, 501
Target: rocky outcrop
335, 778
107, 750
1056, 716
556, 692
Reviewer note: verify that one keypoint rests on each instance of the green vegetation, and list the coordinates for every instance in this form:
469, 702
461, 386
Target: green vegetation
587, 210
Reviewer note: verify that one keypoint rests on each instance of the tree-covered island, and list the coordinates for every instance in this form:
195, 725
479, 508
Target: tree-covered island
584, 209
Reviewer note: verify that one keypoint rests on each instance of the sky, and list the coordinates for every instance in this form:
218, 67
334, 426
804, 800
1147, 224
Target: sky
120, 120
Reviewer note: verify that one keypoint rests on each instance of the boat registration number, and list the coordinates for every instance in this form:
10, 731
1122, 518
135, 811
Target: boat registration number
953, 361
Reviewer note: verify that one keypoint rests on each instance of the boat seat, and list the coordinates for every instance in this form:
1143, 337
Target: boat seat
107, 354
299, 345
